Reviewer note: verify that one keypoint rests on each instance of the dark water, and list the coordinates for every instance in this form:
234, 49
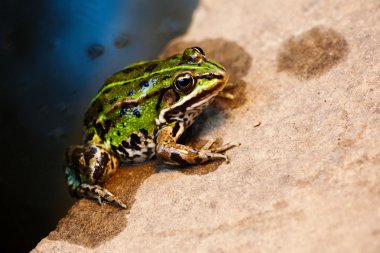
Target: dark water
54, 55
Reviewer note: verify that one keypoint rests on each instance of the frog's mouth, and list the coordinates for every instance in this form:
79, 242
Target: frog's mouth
190, 108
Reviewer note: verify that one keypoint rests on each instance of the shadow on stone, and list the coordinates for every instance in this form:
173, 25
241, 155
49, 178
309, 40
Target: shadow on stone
89, 224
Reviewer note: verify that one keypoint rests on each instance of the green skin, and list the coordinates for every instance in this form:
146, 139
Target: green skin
140, 112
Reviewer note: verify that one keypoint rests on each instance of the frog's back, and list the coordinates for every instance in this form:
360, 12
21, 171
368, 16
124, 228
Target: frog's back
123, 113
141, 70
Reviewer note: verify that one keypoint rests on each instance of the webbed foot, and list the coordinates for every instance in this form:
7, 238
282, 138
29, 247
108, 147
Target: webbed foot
170, 152
220, 149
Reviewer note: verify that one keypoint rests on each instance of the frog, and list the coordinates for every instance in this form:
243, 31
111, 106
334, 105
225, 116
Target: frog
141, 112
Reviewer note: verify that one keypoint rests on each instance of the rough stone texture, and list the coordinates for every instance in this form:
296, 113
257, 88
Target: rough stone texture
307, 179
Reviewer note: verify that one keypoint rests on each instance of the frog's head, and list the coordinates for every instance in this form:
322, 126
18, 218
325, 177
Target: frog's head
196, 81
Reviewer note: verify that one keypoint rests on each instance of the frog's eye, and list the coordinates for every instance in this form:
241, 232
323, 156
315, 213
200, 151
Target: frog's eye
193, 55
184, 82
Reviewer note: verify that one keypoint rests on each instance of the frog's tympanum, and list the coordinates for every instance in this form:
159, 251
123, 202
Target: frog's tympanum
141, 112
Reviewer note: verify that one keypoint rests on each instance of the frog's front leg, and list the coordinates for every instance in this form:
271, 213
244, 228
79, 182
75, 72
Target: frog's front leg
88, 167
170, 152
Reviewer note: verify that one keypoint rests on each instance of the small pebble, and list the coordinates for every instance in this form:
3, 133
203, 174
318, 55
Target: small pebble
257, 123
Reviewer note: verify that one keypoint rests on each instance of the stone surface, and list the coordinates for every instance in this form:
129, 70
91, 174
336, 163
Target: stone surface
306, 178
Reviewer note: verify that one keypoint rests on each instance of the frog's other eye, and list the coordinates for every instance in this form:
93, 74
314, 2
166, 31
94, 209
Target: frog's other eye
193, 55
184, 82
200, 50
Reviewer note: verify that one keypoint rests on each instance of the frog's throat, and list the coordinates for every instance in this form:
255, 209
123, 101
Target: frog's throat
192, 102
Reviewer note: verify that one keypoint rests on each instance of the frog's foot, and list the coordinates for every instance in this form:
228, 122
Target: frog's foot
220, 149
226, 95
99, 193
170, 152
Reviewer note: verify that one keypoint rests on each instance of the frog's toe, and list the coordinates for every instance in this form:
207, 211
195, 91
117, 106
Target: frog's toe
226, 95
226, 147
208, 145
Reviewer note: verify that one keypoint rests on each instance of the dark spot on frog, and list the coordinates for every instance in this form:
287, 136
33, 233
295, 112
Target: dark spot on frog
130, 93
210, 76
236, 60
122, 40
135, 139
123, 151
134, 142
123, 111
125, 144
95, 50
136, 112
128, 70
114, 149
176, 129
312, 53
100, 108
93, 150
89, 136
103, 128
169, 97
144, 132
144, 84
105, 91
103, 161
150, 68
155, 133
89, 224
149, 151
89, 154
113, 100
165, 78
178, 159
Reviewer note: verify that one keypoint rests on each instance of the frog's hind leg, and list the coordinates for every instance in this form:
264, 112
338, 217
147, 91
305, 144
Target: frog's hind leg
88, 167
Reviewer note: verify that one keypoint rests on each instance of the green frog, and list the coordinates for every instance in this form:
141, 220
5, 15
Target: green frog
141, 112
